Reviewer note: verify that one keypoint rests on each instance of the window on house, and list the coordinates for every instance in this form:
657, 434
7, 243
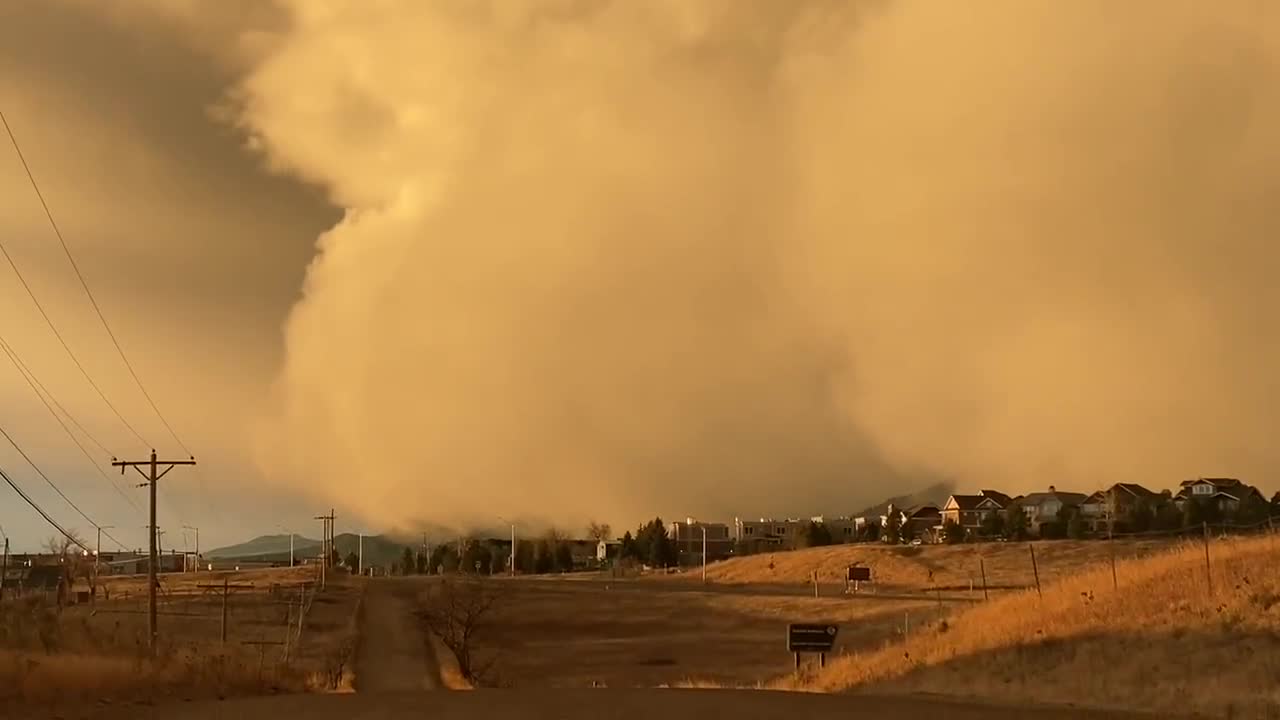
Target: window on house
1201, 489
848, 531
749, 531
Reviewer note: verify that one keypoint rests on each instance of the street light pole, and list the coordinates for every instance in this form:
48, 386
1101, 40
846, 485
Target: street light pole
360, 555
196, 562
704, 553
512, 559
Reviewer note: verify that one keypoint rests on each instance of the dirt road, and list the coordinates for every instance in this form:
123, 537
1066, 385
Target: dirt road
392, 656
602, 704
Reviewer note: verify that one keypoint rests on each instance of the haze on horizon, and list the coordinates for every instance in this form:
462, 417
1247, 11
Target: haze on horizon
595, 259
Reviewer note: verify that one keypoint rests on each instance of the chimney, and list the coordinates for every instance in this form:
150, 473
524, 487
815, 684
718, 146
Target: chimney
1053, 489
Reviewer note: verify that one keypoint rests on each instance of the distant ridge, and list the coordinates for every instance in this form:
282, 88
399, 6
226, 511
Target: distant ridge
936, 494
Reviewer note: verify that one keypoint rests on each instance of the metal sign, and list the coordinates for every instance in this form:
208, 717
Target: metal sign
811, 638
856, 573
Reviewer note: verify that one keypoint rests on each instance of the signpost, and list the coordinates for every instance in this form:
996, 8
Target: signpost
855, 574
811, 638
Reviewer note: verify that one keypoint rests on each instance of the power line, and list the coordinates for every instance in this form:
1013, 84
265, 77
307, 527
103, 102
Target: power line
26, 372
33, 382
48, 321
85, 285
40, 510
56, 489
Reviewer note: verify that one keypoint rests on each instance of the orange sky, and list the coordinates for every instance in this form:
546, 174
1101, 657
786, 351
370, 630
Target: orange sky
607, 259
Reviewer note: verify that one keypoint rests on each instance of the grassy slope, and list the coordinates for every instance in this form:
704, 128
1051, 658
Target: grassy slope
1161, 642
909, 567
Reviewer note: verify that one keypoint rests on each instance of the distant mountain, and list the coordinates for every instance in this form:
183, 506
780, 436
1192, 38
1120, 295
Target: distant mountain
273, 545
936, 494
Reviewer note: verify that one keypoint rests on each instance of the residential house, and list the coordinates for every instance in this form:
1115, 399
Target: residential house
971, 512
583, 552
843, 529
688, 537
1225, 493
1116, 506
767, 534
919, 521
1044, 507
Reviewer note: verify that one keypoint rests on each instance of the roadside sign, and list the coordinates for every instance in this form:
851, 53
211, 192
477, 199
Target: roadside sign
858, 573
811, 638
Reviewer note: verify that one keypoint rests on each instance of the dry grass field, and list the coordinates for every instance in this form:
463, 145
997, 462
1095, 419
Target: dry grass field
629, 633
924, 567
1163, 641
98, 651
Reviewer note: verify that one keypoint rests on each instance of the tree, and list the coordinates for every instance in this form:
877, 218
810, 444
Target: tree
815, 534
952, 533
1166, 517
628, 548
992, 525
1192, 514
1275, 503
499, 556
455, 611
1015, 523
656, 548
352, 561
564, 557
1252, 511
599, 531
892, 530
407, 563
524, 556
869, 532
1073, 524
422, 561
475, 552
544, 557
443, 556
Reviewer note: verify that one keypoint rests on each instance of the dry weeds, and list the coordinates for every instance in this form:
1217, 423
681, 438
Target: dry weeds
904, 567
1162, 641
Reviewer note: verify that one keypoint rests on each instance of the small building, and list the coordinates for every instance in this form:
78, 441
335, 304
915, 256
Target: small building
608, 550
842, 529
688, 537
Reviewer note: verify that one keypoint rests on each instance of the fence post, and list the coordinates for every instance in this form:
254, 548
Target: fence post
225, 591
815, 583
1208, 569
1111, 550
982, 567
1035, 569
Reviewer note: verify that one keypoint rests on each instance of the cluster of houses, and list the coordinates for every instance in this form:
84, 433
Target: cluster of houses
973, 515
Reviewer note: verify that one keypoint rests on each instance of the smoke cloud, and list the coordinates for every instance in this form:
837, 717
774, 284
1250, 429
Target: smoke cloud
607, 259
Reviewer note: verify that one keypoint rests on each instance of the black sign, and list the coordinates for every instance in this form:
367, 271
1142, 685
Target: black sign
811, 638
859, 573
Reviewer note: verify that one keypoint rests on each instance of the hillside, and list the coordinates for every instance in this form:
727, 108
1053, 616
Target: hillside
1163, 641
936, 494
910, 567
266, 545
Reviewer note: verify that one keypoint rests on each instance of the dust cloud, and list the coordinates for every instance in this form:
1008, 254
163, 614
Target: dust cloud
609, 258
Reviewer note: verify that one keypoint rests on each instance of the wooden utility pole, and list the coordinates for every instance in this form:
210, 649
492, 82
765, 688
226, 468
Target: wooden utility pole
226, 587
153, 478
4, 568
1208, 569
982, 567
326, 544
1035, 569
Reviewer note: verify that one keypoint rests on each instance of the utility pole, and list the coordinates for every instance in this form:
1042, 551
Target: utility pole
326, 544
360, 555
704, 554
153, 479
197, 547
97, 552
4, 568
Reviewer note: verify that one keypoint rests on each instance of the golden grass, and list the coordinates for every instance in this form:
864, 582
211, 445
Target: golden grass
898, 567
631, 633
90, 653
1160, 642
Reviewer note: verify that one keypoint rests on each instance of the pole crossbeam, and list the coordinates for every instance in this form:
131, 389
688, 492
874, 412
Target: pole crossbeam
153, 479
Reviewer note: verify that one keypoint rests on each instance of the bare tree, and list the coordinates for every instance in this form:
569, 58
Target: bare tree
455, 609
599, 531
